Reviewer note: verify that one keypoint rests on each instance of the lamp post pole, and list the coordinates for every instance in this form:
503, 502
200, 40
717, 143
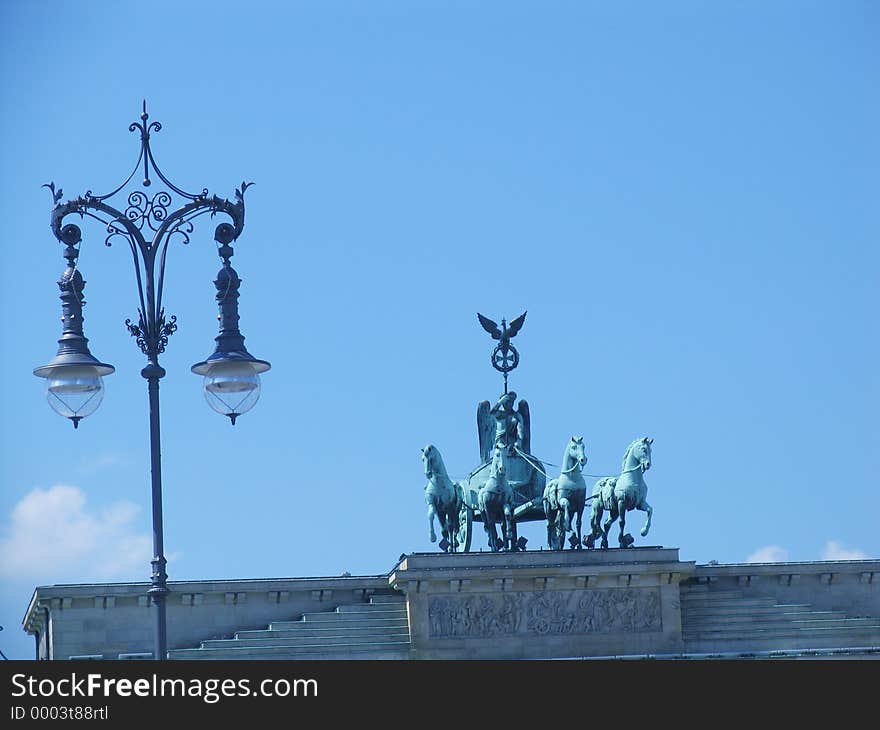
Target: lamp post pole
158, 587
148, 224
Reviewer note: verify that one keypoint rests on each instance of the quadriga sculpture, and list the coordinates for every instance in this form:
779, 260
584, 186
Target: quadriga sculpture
496, 503
620, 494
443, 497
566, 496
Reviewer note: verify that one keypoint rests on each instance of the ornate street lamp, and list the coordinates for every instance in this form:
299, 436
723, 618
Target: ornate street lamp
74, 378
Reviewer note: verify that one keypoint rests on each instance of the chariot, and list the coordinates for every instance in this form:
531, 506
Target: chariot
525, 474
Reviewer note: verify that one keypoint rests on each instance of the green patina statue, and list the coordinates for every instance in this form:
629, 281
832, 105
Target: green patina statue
496, 503
510, 485
502, 424
444, 499
622, 493
565, 497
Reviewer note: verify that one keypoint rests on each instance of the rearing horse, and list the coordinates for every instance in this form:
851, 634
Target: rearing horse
443, 498
566, 496
619, 494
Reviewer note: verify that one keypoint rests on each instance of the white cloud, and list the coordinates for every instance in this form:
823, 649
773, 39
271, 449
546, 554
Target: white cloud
768, 554
93, 465
53, 536
835, 551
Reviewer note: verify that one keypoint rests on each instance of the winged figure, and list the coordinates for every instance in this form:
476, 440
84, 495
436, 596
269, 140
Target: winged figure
502, 423
505, 332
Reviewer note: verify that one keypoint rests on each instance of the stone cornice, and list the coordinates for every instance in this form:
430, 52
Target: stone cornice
63, 594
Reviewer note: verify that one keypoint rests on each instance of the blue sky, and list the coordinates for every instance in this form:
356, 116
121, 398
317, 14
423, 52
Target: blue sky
682, 195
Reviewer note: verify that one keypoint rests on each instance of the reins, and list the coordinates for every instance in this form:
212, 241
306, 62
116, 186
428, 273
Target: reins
529, 458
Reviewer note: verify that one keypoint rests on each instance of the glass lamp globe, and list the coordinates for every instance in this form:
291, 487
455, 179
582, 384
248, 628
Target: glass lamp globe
75, 391
232, 387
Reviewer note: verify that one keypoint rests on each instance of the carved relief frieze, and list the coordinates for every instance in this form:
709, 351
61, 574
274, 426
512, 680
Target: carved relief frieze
486, 615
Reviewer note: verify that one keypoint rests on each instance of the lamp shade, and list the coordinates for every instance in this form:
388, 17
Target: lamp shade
74, 384
232, 382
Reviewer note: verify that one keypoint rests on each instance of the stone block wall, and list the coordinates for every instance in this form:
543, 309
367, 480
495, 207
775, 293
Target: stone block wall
536, 604
102, 621
852, 586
